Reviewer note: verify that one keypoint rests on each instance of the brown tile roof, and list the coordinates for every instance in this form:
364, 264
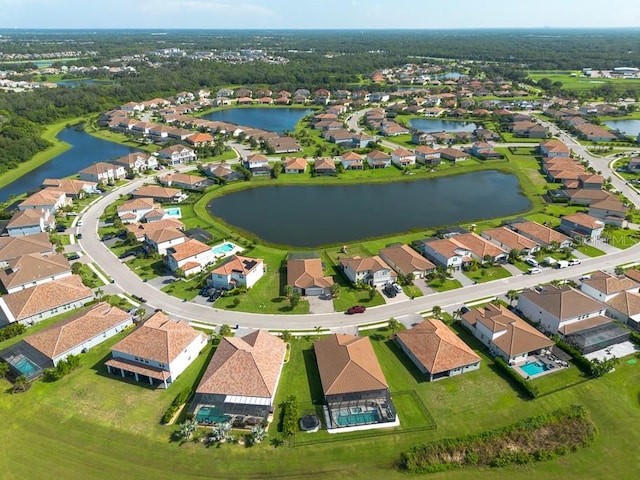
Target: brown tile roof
436, 347
14, 247
295, 164
510, 238
307, 273
33, 267
378, 155
448, 248
42, 298
611, 204
160, 339
627, 303
182, 178
156, 191
562, 302
588, 194
164, 235
584, 220
606, 283
348, 364
365, 264
99, 168
405, 259
137, 204
633, 274
64, 336
352, 157
248, 366
237, 263
540, 233
325, 164
555, 146
478, 245
585, 324
519, 337
131, 366
69, 186
25, 218
188, 249
48, 196
139, 229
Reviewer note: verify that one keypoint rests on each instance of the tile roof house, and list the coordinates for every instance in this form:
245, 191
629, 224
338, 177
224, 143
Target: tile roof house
136, 162
427, 156
405, 260
72, 188
611, 211
324, 166
48, 199
554, 148
177, 154
183, 180
625, 307
367, 270
541, 234
33, 269
159, 193
504, 333
378, 159
102, 172
307, 277
352, 161
352, 381
30, 222
437, 351
581, 225
15, 247
403, 157
141, 229
223, 171
603, 286
237, 271
157, 352
241, 378
508, 240
135, 209
258, 164
295, 165
191, 256
480, 247
445, 252
453, 154
44, 301
162, 239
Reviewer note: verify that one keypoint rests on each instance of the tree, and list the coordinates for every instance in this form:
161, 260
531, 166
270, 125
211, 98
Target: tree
457, 314
286, 336
619, 271
220, 432
436, 311
512, 295
394, 325
226, 330
187, 428
258, 434
20, 383
99, 292
4, 369
600, 367
488, 260
335, 290
514, 255
288, 291
317, 329
294, 301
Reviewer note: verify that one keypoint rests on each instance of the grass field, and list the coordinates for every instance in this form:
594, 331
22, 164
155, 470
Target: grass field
487, 274
89, 425
578, 83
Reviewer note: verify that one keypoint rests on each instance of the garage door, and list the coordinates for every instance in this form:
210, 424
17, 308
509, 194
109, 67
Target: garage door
314, 292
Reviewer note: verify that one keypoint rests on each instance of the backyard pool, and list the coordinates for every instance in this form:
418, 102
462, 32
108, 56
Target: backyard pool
225, 249
173, 212
25, 366
343, 419
533, 368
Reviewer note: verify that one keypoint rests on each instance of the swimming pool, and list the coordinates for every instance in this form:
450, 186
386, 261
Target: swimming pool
224, 249
173, 212
533, 368
25, 366
362, 418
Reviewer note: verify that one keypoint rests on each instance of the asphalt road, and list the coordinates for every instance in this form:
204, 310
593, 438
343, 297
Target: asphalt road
128, 282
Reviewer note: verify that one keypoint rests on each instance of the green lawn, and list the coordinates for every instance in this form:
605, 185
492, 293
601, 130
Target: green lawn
444, 285
487, 274
88, 276
622, 238
590, 251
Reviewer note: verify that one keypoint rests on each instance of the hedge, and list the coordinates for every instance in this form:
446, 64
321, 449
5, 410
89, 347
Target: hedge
531, 390
180, 400
11, 331
582, 362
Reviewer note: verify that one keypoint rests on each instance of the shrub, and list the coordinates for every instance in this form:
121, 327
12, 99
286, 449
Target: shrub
180, 399
12, 330
531, 390
290, 414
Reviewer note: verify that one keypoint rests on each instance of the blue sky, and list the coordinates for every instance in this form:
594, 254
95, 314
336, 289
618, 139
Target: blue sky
304, 14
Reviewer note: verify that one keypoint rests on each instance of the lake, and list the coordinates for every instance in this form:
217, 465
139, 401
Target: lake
629, 127
310, 216
83, 81
271, 119
85, 150
436, 125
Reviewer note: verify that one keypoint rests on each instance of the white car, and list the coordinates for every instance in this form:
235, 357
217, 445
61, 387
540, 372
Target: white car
574, 261
397, 287
533, 271
531, 261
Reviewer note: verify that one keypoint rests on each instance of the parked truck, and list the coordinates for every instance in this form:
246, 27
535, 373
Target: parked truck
562, 264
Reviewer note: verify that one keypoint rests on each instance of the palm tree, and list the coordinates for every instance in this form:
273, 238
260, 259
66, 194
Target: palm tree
4, 369
457, 314
512, 295
436, 311
20, 383
394, 325
514, 254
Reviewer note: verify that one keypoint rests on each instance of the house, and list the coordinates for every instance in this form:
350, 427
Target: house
581, 225
134, 210
189, 256
603, 286
406, 261
427, 156
445, 252
15, 247
554, 148
324, 166
258, 164
159, 194
139, 230
157, 352
453, 154
611, 211
307, 277
184, 180
223, 171
43, 301
585, 196
177, 154
378, 159
437, 351
200, 139
484, 151
102, 172
355, 391
594, 133
33, 269
543, 235
162, 239
481, 249
136, 162
508, 240
48, 199
625, 307
237, 271
367, 270
72, 188
241, 380
30, 222
72, 336
352, 161
295, 165
403, 157
504, 333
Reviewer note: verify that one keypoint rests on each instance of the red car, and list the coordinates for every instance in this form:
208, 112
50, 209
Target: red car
356, 309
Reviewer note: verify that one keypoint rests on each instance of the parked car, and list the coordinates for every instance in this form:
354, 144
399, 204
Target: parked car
390, 291
534, 270
397, 287
61, 228
574, 261
585, 277
356, 309
79, 236
139, 298
79, 224
215, 295
73, 256
531, 262
108, 236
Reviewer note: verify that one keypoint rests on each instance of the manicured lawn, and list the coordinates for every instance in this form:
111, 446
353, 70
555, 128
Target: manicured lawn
444, 285
621, 238
565, 378
487, 274
147, 268
590, 251
88, 276
412, 291
185, 288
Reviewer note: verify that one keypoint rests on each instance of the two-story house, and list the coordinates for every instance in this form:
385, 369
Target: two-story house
367, 270
189, 256
237, 271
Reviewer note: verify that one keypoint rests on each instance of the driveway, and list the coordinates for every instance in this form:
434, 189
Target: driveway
320, 304
512, 269
161, 281
462, 278
421, 284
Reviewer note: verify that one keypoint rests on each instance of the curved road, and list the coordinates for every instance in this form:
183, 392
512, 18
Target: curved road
128, 282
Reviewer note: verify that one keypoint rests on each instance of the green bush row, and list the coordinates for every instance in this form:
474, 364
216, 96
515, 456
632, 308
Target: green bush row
531, 390
12, 330
580, 361
290, 415
64, 367
532, 439
180, 400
